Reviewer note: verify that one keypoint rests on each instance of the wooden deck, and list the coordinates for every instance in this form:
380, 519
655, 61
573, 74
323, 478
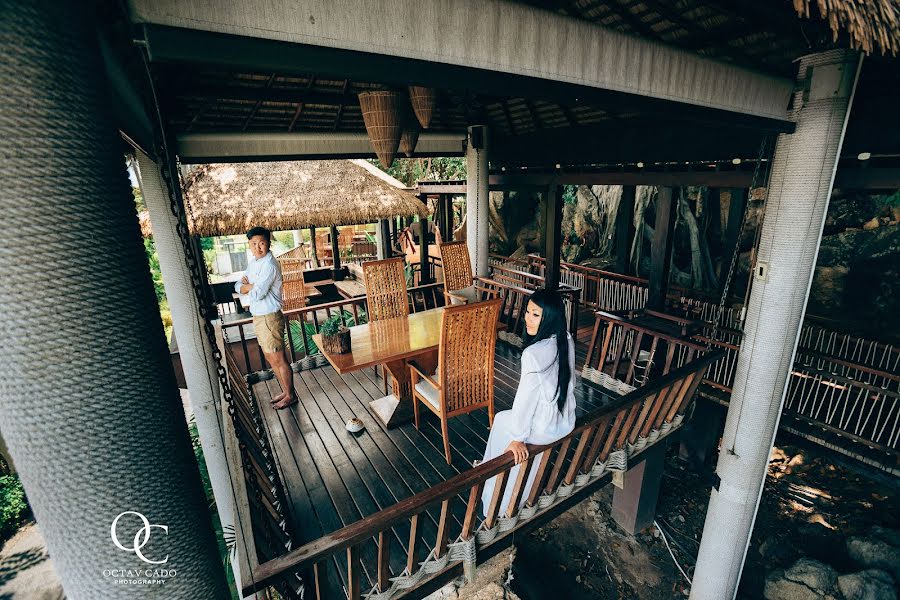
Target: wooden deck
334, 478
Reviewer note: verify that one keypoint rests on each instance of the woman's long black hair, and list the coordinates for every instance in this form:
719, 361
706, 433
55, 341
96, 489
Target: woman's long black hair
553, 322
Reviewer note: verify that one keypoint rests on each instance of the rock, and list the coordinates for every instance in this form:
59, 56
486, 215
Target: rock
806, 580
871, 584
873, 552
871, 224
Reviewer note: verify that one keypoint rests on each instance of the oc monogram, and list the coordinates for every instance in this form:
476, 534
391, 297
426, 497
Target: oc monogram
140, 538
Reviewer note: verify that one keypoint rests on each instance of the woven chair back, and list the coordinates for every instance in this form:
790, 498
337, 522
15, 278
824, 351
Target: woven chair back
293, 290
466, 354
294, 259
385, 289
456, 265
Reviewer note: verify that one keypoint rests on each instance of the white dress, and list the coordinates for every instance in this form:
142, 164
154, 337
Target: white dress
534, 418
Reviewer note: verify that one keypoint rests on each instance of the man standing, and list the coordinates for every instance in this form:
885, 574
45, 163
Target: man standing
262, 284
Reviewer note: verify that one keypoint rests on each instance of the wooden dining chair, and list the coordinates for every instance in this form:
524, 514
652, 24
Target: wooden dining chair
457, 273
385, 289
464, 380
293, 290
386, 296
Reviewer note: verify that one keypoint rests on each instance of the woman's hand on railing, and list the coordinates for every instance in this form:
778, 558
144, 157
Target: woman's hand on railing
519, 451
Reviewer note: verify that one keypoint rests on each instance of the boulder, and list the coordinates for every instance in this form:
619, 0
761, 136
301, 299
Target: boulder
871, 584
877, 551
807, 579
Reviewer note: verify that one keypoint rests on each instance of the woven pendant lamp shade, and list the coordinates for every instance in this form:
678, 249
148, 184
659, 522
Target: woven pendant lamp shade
408, 140
381, 114
423, 100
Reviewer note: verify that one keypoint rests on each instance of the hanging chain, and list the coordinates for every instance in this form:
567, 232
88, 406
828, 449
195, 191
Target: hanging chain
737, 244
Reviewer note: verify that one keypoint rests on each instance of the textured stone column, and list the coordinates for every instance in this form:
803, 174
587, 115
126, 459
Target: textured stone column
477, 199
800, 186
89, 404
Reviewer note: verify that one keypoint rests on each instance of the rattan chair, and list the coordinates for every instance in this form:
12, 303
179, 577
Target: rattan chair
457, 273
386, 296
385, 289
293, 290
294, 259
465, 375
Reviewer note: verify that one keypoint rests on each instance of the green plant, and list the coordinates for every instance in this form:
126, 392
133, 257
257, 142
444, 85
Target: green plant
14, 509
333, 326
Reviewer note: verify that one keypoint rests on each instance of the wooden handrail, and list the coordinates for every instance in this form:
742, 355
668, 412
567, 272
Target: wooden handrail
355, 533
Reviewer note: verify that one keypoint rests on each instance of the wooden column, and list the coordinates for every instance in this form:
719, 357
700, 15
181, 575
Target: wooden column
312, 247
553, 205
625, 228
634, 504
732, 230
445, 217
335, 255
425, 266
661, 251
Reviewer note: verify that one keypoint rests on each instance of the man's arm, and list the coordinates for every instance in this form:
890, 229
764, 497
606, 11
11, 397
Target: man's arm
243, 286
264, 281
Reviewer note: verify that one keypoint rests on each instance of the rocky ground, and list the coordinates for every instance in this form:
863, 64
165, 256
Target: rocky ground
825, 531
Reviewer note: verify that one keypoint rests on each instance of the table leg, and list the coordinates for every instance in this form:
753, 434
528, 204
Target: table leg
397, 408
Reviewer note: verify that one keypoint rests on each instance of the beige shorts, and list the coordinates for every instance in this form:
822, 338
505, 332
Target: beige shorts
270, 331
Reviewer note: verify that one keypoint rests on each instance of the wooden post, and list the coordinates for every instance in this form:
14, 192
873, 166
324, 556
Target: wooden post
335, 254
424, 270
625, 228
553, 204
661, 252
312, 247
634, 504
732, 231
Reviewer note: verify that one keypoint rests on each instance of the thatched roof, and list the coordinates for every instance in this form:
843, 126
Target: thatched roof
872, 24
228, 199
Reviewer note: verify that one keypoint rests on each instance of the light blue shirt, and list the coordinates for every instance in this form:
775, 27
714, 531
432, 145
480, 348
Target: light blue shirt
265, 275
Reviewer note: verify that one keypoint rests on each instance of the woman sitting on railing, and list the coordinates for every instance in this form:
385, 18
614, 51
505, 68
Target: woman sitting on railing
543, 410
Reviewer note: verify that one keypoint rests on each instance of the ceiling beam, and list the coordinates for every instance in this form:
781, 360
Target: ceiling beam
268, 94
577, 58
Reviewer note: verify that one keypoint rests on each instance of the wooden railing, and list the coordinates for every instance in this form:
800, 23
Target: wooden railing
564, 473
265, 494
840, 382
303, 323
515, 298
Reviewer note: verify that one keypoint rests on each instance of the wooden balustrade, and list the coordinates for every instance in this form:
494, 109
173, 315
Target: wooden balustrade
515, 298
565, 472
304, 322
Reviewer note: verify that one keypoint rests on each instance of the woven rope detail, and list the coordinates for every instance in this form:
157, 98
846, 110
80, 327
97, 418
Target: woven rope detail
69, 410
606, 381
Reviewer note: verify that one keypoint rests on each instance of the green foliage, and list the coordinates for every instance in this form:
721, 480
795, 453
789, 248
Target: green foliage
569, 194
153, 260
284, 238
297, 330
332, 326
14, 509
410, 170
207, 243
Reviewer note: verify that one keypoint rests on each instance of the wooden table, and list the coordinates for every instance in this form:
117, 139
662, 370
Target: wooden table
350, 288
392, 343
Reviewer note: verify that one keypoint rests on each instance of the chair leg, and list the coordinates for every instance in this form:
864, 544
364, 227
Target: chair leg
446, 433
490, 414
416, 411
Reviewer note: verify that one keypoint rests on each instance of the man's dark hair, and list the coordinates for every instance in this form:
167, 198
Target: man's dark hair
260, 231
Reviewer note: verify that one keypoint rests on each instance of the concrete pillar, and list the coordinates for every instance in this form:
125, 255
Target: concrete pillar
194, 345
298, 239
477, 198
90, 407
383, 239
800, 186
